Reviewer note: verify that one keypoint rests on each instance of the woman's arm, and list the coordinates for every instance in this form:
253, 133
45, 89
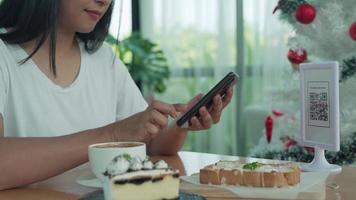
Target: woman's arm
168, 142
27, 160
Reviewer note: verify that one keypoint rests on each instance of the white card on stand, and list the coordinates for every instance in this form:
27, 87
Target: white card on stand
319, 95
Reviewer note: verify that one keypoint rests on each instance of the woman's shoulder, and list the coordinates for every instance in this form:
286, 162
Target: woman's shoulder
105, 59
4, 53
4, 47
4, 62
2, 42
10, 54
107, 53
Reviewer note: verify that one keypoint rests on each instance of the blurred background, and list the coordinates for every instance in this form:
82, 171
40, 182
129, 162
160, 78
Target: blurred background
191, 44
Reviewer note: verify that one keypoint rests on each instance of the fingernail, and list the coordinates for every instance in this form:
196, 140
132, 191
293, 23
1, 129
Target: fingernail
174, 112
217, 100
203, 110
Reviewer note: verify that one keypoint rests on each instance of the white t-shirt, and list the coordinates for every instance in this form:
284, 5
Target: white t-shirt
34, 106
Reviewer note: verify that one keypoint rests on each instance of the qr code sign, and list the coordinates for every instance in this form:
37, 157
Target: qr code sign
318, 99
318, 106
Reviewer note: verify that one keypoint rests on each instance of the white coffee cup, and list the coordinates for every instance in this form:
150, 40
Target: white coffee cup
101, 154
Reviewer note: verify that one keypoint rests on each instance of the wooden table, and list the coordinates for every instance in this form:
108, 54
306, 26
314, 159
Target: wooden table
64, 186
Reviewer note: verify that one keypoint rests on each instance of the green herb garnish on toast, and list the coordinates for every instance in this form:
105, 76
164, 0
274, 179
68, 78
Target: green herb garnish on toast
252, 166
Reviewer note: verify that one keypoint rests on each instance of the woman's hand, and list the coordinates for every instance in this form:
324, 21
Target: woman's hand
144, 125
207, 117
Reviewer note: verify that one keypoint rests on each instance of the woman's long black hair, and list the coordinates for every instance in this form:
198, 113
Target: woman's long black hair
37, 19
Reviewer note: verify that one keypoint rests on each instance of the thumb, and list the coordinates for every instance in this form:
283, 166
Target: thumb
183, 107
195, 99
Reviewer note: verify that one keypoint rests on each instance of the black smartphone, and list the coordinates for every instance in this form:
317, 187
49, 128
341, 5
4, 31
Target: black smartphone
207, 100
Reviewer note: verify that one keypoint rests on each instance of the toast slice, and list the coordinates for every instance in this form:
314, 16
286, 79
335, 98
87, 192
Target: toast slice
251, 174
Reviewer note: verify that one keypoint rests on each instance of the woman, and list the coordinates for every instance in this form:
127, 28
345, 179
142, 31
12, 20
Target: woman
60, 91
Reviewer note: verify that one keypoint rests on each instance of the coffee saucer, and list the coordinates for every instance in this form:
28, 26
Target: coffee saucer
89, 180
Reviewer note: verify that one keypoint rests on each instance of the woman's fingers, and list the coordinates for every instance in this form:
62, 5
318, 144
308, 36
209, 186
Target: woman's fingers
227, 98
156, 117
212, 116
194, 100
206, 119
159, 112
180, 107
203, 122
159, 119
216, 108
196, 123
152, 130
164, 108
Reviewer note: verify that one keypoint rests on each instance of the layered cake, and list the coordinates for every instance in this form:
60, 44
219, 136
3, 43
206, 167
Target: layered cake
132, 178
253, 174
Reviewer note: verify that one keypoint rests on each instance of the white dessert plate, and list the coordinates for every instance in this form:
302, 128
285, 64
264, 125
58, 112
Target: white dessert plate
89, 180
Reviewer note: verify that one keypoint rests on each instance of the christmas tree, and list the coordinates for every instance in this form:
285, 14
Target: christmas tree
321, 31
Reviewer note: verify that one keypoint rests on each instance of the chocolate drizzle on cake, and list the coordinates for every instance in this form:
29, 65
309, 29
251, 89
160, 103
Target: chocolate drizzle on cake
120, 182
136, 180
157, 179
176, 175
139, 179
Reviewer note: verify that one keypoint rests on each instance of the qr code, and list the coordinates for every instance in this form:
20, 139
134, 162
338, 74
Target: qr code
318, 106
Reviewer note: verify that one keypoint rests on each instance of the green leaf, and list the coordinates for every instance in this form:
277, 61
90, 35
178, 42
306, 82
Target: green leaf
144, 59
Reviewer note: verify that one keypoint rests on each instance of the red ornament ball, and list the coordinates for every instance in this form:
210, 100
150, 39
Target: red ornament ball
352, 31
305, 13
297, 57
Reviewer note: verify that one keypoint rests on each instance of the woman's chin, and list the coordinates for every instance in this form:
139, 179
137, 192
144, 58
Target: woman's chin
87, 29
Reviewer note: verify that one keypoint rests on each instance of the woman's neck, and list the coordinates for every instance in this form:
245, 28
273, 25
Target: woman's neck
65, 42
67, 57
